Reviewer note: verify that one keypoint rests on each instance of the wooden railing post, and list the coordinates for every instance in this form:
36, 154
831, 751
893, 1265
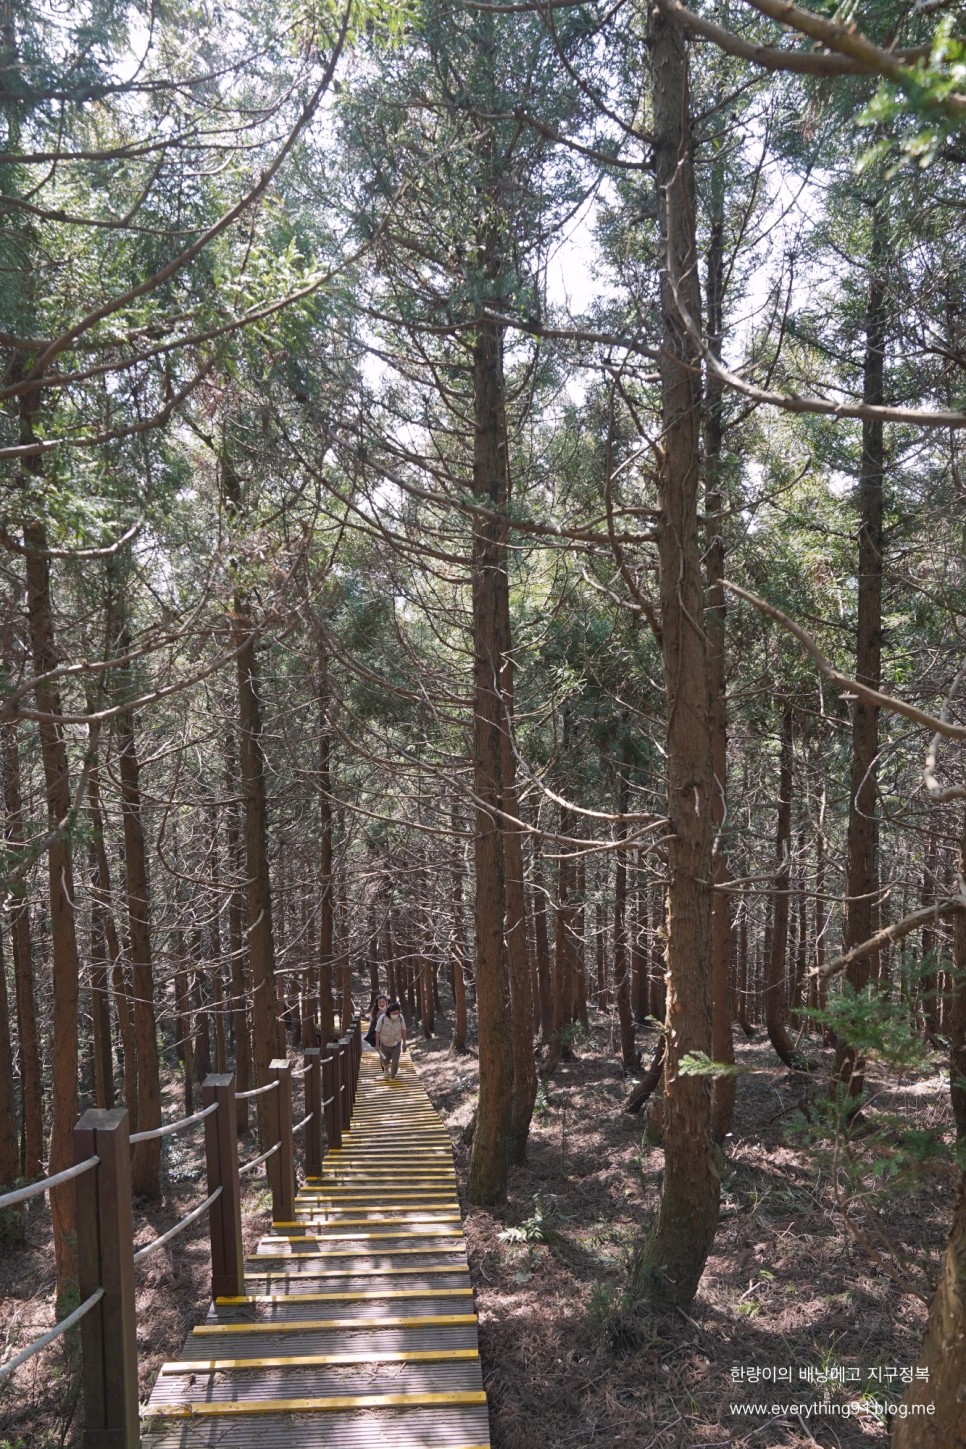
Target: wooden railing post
283, 1177
105, 1259
330, 1092
224, 1215
313, 1103
357, 1054
345, 1097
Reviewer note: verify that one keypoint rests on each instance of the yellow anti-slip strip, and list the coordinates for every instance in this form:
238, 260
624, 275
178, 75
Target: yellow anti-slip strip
414, 1230
364, 1325
321, 1360
282, 1275
378, 1197
420, 1177
358, 1297
268, 1255
312, 1406
426, 1218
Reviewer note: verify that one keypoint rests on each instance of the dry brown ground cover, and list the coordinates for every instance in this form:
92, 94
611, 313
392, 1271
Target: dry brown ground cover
788, 1285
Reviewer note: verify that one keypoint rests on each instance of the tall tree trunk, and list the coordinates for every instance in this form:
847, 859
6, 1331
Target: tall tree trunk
743, 983
102, 894
722, 1042
182, 1018
261, 942
776, 1013
216, 969
458, 955
32, 1099
60, 869
622, 982
544, 964
657, 993
345, 968
9, 1147
326, 898
943, 1355
261, 947
956, 1025
518, 961
100, 1010
489, 1158
579, 950
669, 1264
236, 920
929, 990
639, 946
146, 1158
102, 927
862, 839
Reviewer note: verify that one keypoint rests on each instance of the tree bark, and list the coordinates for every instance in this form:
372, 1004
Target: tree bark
943, 1354
103, 934
544, 965
460, 1025
489, 1158
518, 961
957, 1007
32, 1100
776, 1013
326, 910
622, 982
722, 1042
862, 838
668, 1266
9, 1147
146, 1157
60, 871
261, 944
236, 918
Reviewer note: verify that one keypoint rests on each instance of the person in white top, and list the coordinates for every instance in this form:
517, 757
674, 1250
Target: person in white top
391, 1039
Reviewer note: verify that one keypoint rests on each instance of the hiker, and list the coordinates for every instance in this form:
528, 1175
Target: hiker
376, 1012
390, 1039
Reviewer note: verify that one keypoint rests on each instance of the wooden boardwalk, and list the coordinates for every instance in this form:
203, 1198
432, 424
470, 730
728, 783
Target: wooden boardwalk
358, 1326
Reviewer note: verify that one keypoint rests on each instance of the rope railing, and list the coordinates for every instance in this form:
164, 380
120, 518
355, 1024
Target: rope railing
152, 1134
64, 1326
179, 1227
23, 1194
257, 1161
255, 1092
106, 1254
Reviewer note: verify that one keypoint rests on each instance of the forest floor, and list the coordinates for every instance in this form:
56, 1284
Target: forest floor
788, 1288
804, 1301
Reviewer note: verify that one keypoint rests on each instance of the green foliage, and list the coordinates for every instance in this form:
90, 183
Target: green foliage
922, 112
698, 1064
878, 1027
540, 1227
542, 1103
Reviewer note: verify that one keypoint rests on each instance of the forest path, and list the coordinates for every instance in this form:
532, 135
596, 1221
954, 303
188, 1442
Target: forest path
358, 1324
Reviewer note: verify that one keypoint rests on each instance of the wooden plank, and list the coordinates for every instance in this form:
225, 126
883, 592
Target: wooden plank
308, 1325
189, 1366
360, 1297
204, 1409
